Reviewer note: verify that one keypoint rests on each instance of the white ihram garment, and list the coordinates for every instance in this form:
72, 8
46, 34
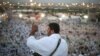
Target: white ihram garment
45, 46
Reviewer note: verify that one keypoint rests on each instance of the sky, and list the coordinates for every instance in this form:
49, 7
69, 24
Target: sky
55, 1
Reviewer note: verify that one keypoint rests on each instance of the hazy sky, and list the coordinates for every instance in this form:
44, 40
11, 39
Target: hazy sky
56, 1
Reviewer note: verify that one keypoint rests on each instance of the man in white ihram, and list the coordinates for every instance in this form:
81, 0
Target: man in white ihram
53, 45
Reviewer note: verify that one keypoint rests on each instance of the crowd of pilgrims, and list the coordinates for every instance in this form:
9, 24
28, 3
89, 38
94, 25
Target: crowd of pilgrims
83, 38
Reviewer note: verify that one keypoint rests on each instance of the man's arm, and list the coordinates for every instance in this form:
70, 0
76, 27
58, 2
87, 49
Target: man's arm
31, 41
34, 44
34, 29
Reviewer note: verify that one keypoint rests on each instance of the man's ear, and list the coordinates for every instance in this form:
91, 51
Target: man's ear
52, 31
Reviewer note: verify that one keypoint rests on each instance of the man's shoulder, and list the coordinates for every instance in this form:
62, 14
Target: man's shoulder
31, 37
44, 38
64, 42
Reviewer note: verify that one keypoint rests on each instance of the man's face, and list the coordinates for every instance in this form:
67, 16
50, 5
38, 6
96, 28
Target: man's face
49, 31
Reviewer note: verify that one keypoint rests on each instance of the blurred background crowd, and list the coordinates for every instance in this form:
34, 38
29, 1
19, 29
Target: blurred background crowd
79, 27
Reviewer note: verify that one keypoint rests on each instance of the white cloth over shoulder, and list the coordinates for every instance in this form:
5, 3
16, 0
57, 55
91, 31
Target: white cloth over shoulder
45, 46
